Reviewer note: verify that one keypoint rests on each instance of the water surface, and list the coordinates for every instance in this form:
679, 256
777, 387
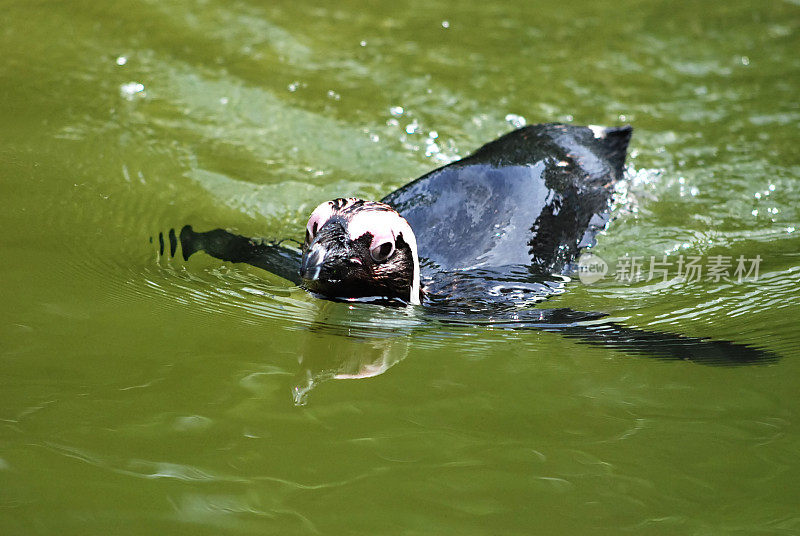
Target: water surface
143, 394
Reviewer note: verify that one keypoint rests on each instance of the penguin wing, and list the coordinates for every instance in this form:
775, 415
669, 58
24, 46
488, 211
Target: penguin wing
224, 245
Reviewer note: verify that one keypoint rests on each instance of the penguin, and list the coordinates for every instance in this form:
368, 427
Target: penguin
533, 199
477, 241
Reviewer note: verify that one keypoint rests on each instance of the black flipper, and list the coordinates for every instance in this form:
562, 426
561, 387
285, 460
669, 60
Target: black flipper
585, 328
669, 346
230, 247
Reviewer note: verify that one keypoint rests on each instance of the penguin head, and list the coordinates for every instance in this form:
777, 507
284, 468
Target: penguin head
360, 249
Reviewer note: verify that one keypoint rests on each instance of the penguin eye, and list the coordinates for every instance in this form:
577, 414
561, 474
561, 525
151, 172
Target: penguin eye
381, 252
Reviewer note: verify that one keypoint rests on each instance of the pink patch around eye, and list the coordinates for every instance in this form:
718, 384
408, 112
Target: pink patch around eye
380, 224
381, 238
318, 218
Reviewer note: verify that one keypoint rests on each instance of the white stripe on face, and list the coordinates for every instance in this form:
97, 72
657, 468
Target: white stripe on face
324, 211
385, 224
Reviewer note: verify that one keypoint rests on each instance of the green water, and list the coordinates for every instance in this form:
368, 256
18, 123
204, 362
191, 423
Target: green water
147, 395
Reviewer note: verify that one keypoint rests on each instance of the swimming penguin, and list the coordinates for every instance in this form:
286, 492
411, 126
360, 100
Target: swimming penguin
531, 200
475, 241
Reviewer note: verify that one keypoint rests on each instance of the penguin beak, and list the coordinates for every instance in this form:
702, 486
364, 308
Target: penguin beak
313, 260
323, 261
